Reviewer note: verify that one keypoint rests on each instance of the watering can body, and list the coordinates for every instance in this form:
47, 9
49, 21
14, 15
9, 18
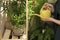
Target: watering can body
45, 13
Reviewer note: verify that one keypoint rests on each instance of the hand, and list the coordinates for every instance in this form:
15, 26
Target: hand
47, 19
47, 5
51, 20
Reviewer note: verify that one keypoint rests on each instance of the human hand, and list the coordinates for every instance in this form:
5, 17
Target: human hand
47, 5
47, 19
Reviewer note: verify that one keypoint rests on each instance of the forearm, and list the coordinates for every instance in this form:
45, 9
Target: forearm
56, 21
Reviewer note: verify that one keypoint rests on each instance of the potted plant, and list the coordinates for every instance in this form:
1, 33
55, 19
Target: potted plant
15, 10
17, 25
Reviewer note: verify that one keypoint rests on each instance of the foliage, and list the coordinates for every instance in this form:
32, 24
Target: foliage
39, 29
16, 12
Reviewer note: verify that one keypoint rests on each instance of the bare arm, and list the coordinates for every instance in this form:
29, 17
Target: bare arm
56, 21
52, 20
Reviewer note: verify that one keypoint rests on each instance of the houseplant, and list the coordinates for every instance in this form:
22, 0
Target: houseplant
15, 10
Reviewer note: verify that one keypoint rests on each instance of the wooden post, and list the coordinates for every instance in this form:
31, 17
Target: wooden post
27, 19
1, 24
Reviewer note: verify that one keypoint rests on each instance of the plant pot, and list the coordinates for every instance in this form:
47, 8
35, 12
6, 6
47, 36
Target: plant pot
17, 32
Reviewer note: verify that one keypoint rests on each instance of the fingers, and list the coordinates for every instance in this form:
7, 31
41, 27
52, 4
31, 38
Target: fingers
49, 6
45, 6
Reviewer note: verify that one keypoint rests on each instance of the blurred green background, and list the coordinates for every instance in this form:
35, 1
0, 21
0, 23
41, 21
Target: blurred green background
38, 30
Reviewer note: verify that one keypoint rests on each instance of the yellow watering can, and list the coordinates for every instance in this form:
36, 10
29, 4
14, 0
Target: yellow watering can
44, 13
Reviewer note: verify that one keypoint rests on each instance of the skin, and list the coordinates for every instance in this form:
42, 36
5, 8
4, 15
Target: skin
49, 6
51, 19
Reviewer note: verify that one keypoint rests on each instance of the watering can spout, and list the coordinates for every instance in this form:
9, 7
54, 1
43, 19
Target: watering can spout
36, 15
